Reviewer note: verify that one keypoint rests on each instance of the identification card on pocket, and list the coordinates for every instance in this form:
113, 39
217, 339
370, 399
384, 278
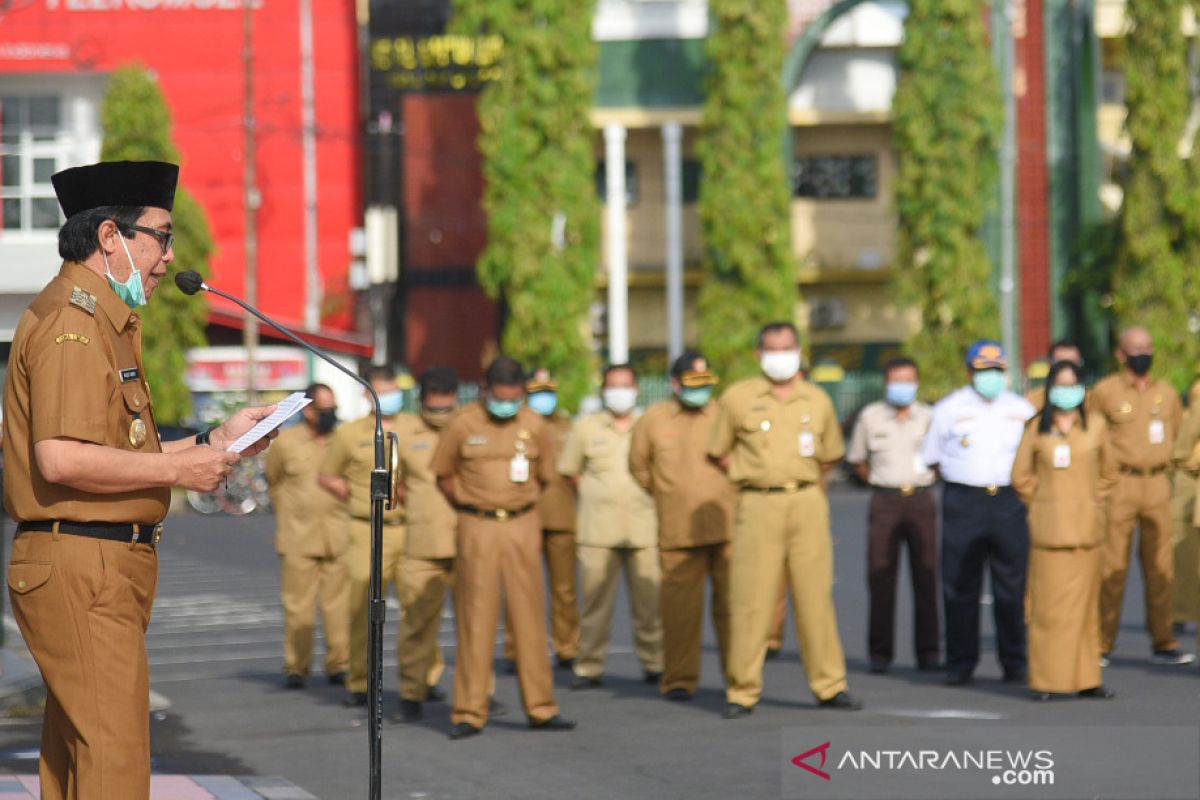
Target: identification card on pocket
1158, 431
808, 445
1062, 456
518, 469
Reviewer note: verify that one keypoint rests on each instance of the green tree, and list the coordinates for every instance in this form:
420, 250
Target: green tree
539, 164
947, 118
137, 127
745, 198
1158, 238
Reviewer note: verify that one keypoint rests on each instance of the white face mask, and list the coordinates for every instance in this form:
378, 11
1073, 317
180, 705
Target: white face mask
620, 399
780, 365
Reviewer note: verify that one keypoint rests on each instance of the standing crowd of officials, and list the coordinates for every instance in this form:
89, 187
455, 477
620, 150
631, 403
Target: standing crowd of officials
697, 496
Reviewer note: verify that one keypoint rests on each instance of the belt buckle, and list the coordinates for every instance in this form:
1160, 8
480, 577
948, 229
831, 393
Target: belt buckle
993, 490
501, 514
158, 532
791, 486
907, 490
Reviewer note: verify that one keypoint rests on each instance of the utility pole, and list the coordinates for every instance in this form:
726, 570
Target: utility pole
308, 117
252, 199
1008, 179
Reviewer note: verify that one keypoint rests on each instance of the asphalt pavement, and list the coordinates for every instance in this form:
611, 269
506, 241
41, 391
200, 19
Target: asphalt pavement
215, 653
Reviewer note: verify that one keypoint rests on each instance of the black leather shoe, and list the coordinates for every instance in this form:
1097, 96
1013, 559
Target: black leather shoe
337, 679
772, 653
555, 723
293, 682
735, 711
1098, 693
434, 695
1015, 676
464, 730
958, 679
355, 699
1040, 697
581, 682
878, 666
410, 711
566, 663
651, 677
679, 695
842, 701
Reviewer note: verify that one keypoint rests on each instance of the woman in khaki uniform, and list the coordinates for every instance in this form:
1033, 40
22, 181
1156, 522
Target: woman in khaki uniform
1063, 471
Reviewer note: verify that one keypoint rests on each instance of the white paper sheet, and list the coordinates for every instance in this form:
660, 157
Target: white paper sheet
286, 408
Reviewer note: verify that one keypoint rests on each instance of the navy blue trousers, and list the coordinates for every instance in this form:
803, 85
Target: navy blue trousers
980, 530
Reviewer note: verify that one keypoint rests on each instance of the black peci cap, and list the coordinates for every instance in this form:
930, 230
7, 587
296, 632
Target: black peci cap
116, 183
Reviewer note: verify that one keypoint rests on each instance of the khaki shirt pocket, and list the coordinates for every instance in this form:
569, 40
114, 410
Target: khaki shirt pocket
24, 577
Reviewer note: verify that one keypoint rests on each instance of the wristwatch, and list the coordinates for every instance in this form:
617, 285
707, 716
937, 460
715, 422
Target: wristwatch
203, 438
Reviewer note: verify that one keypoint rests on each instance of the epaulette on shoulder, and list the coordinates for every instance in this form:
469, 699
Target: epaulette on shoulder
84, 300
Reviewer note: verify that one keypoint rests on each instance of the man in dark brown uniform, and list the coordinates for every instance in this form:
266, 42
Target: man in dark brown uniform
491, 462
89, 479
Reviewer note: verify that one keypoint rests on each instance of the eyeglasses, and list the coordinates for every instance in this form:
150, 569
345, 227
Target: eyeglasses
165, 238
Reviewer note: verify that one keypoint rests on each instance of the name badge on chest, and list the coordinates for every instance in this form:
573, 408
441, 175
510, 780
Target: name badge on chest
1158, 431
808, 445
1062, 456
518, 469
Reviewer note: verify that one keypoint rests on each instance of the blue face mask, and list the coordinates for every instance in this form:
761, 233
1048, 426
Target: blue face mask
390, 403
695, 396
544, 403
901, 394
132, 291
990, 383
1066, 397
503, 409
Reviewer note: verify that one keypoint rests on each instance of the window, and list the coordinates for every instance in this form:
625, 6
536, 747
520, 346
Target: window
631, 184
836, 177
31, 150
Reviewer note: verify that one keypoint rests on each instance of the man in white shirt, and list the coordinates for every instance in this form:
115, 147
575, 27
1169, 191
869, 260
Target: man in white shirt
972, 441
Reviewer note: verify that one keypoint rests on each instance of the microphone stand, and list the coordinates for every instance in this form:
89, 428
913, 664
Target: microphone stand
381, 491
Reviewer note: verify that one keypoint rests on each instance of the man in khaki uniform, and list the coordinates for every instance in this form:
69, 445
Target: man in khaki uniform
776, 436
310, 537
345, 472
556, 508
1186, 513
617, 531
88, 478
695, 502
427, 571
491, 463
1144, 416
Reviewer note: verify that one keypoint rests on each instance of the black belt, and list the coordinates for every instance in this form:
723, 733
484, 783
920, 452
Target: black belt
991, 490
134, 533
907, 490
788, 488
1125, 469
500, 514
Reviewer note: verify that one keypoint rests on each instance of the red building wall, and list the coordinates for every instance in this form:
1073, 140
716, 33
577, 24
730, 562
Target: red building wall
194, 47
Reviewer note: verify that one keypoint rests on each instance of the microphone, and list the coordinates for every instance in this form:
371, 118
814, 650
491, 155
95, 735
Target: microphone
190, 282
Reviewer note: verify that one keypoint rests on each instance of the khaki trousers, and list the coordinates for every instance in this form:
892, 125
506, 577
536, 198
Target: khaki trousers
775, 638
1146, 502
83, 606
685, 573
601, 567
303, 580
423, 588
358, 566
1064, 619
491, 555
558, 548
792, 529
1187, 547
